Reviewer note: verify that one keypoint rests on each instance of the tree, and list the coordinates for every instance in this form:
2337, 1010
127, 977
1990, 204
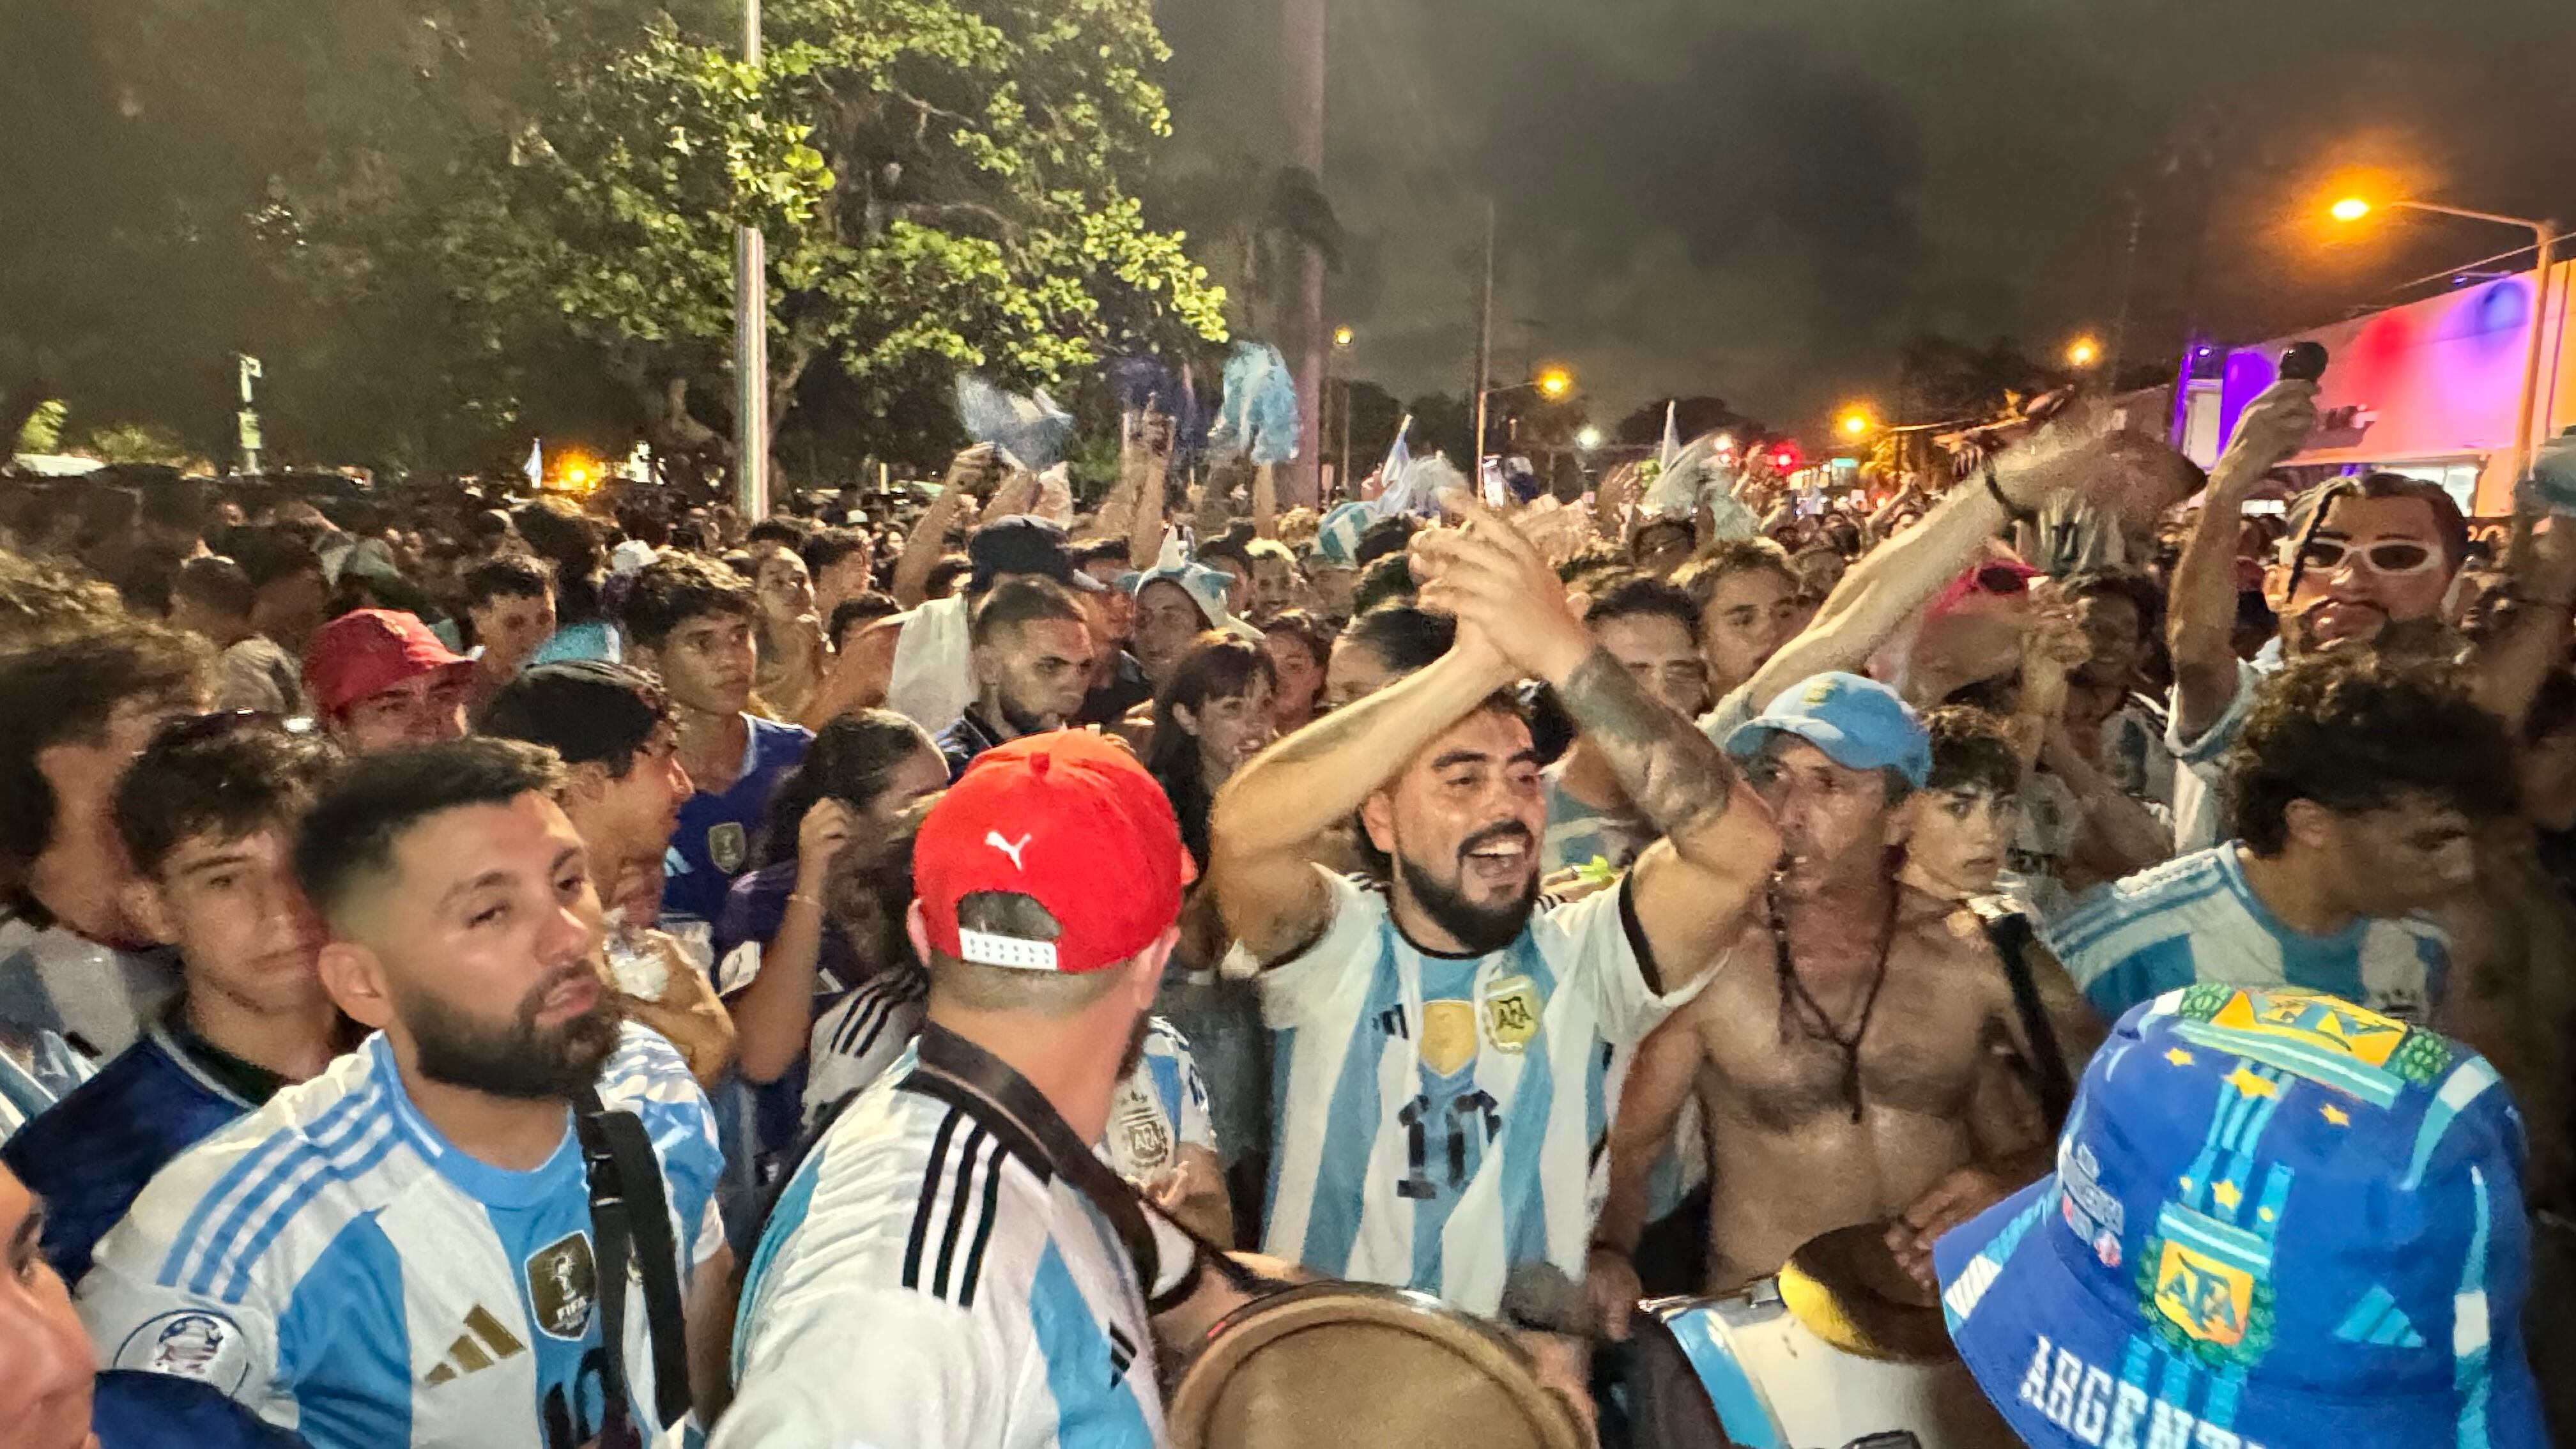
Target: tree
1942, 379
460, 221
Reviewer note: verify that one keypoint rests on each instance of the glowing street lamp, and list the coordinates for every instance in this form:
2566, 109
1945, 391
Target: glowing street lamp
1854, 423
1554, 383
2083, 352
2545, 236
1344, 337
1588, 439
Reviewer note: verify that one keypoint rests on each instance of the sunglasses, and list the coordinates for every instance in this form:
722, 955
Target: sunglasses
2394, 557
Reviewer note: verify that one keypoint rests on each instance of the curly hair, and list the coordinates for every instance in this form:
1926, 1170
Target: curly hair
2355, 735
1971, 749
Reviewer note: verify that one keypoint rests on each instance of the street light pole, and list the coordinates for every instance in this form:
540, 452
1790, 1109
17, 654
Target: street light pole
1484, 350
2545, 239
750, 340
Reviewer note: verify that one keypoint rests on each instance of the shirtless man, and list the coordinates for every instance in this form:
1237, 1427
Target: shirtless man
1861, 1059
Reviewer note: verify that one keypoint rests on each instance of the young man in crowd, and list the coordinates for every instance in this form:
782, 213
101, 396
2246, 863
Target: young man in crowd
73, 714
623, 791
2356, 788
431, 1277
918, 663
856, 613
991, 1306
290, 594
2109, 717
380, 680
1859, 1059
207, 815
690, 622
1032, 665
510, 601
212, 598
1174, 606
2366, 564
1652, 629
1466, 1024
843, 566
1276, 585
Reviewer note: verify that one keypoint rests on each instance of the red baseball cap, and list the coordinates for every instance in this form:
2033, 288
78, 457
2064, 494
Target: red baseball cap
1070, 820
368, 651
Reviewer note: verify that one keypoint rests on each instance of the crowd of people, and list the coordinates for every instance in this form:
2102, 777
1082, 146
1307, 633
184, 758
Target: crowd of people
574, 972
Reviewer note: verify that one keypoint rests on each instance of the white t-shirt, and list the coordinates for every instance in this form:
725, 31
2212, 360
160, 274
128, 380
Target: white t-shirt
1439, 1116
928, 1282
336, 1266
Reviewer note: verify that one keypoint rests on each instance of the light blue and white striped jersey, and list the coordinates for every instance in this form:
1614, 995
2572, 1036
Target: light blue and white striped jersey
1161, 1107
927, 1281
1438, 1117
335, 1265
2194, 918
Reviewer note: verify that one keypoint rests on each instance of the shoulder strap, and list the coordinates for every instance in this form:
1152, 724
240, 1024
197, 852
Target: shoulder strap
630, 1216
2011, 936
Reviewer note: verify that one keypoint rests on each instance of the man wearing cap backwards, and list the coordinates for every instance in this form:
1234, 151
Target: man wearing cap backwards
1442, 1081
379, 680
2277, 1219
950, 1265
918, 663
1175, 604
1863, 1061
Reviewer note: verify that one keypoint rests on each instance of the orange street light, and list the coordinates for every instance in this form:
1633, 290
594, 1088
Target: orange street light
2351, 208
1344, 337
1854, 422
1555, 383
2083, 352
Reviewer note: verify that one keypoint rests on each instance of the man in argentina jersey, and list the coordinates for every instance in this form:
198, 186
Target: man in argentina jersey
2355, 793
1442, 1062
1160, 1136
399, 1252
937, 1274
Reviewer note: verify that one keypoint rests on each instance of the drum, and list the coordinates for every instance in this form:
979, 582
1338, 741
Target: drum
1833, 1352
1355, 1365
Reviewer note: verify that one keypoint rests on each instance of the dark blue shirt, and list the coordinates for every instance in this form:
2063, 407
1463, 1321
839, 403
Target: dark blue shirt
966, 737
89, 1155
714, 838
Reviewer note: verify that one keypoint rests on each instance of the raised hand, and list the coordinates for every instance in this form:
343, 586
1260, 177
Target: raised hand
2273, 427
1497, 582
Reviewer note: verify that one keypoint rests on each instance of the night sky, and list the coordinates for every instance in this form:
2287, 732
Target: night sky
1760, 201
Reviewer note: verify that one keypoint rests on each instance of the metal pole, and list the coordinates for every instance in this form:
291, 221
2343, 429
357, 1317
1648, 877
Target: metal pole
751, 340
1304, 37
1484, 354
2524, 443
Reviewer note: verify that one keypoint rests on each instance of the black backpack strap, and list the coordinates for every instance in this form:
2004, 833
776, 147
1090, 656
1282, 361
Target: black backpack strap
2012, 936
630, 1219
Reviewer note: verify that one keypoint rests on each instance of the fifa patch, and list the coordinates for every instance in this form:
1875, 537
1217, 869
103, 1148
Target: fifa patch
1448, 1036
1511, 1013
563, 1285
728, 846
2332, 1043
2206, 1287
191, 1343
2096, 1217
2085, 1401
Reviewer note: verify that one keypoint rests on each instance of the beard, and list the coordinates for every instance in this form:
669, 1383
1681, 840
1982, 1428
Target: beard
527, 1061
1134, 1056
1021, 719
1482, 929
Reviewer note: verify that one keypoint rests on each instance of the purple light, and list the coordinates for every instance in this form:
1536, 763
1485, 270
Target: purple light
2204, 352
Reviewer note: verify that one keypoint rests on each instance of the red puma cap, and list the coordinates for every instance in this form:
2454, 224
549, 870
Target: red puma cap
1070, 820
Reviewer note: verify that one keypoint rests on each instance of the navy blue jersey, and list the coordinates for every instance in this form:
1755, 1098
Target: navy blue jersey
713, 842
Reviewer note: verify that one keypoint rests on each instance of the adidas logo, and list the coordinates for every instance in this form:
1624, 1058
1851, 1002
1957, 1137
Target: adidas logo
483, 1343
1122, 1352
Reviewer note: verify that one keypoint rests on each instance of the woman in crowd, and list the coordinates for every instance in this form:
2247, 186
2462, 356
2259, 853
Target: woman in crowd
1300, 647
1216, 713
790, 636
779, 959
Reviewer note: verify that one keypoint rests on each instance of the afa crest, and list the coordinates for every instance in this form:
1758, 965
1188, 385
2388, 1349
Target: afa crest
2207, 1288
2330, 1042
1511, 1013
728, 846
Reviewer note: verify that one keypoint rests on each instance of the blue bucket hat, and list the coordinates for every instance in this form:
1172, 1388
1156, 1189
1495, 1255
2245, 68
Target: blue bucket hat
1859, 723
1205, 586
2277, 1220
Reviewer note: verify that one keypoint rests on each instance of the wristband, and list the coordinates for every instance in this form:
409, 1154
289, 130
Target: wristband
813, 901
2011, 509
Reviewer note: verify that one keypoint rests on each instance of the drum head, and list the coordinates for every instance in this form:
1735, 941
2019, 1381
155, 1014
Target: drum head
1352, 1365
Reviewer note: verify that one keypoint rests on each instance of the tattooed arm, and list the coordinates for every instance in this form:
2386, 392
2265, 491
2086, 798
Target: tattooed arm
1692, 889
